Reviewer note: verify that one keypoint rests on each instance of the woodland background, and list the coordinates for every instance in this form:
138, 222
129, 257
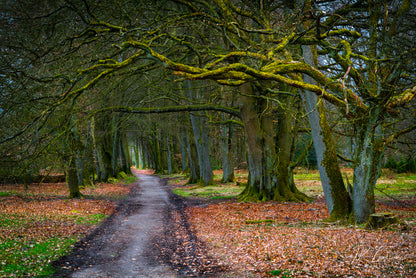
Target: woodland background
90, 88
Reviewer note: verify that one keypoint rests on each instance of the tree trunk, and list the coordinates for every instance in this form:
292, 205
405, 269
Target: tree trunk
337, 198
137, 156
157, 156
115, 150
183, 147
168, 154
125, 159
269, 174
226, 146
286, 188
202, 142
72, 179
194, 173
227, 159
144, 154
368, 161
149, 153
79, 162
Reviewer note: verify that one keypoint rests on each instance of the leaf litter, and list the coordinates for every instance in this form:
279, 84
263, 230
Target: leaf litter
265, 239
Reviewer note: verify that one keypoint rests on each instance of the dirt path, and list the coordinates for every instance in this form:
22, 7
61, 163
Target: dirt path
122, 246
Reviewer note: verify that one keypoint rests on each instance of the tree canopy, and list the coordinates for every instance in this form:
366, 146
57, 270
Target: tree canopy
79, 72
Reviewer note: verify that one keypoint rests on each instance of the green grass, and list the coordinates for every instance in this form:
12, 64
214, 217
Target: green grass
129, 179
29, 254
223, 197
14, 221
281, 273
400, 188
305, 174
92, 219
7, 193
23, 258
213, 192
182, 192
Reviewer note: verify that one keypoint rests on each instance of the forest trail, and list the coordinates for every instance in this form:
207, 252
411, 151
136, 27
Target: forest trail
123, 247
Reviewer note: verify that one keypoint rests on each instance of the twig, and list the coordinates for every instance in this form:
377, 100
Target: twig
397, 200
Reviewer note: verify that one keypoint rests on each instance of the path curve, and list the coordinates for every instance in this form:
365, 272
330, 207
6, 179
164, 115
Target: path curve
122, 249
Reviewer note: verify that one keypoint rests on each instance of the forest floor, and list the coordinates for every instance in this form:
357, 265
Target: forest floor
293, 240
199, 232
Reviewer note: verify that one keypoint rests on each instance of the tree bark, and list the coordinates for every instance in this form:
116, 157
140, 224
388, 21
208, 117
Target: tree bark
183, 148
157, 156
72, 179
115, 148
169, 156
227, 158
368, 160
226, 146
337, 198
201, 142
194, 173
268, 173
125, 157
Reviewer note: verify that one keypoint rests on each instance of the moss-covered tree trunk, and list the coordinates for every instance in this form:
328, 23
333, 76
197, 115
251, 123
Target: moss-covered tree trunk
337, 198
157, 155
368, 160
170, 155
137, 156
202, 143
145, 151
285, 189
268, 169
115, 146
194, 173
125, 157
72, 179
227, 155
183, 147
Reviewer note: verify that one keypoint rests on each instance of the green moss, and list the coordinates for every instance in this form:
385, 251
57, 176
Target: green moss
249, 194
121, 175
342, 206
113, 180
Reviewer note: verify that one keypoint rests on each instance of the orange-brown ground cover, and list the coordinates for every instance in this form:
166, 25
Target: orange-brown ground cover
292, 240
46, 212
288, 237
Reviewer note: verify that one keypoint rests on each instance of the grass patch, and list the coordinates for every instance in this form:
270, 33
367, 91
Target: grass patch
129, 179
181, 192
22, 258
92, 219
307, 174
7, 193
38, 224
213, 192
402, 186
259, 221
397, 189
281, 273
15, 220
223, 197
